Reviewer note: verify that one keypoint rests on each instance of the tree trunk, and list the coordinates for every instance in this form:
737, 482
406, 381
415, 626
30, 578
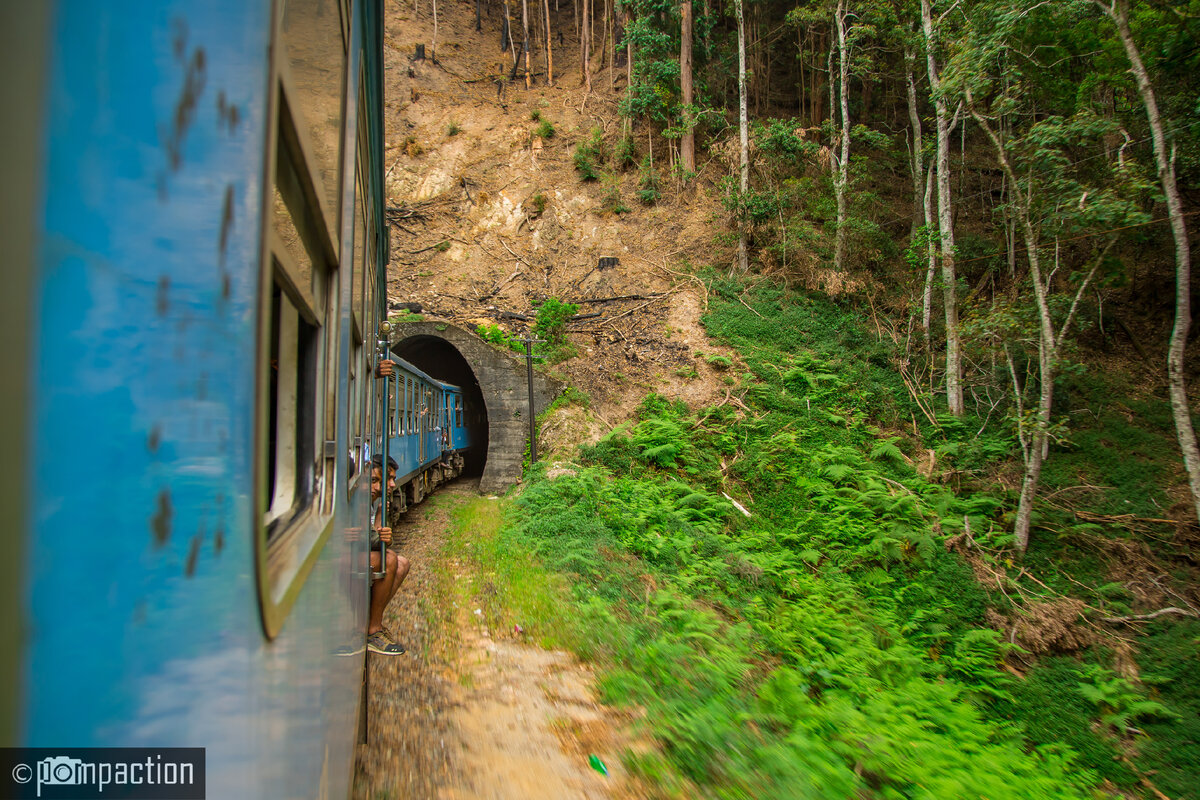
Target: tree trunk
954, 392
1036, 448
585, 45
916, 162
611, 47
525, 39
743, 134
549, 48
1176, 377
606, 55
931, 259
687, 145
433, 47
841, 175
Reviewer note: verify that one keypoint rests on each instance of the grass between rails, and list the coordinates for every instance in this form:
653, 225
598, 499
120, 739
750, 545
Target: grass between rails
827, 646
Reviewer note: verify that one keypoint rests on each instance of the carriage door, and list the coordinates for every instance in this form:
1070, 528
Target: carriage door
422, 425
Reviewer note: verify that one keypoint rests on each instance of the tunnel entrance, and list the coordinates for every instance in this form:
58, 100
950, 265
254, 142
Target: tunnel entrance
440, 359
496, 385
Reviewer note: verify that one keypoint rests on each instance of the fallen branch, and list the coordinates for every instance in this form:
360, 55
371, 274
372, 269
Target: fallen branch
1088, 516
747, 305
630, 311
617, 298
912, 390
1152, 615
736, 504
496, 289
437, 246
514, 255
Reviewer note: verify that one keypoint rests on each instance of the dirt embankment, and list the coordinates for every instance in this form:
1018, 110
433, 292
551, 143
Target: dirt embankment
489, 218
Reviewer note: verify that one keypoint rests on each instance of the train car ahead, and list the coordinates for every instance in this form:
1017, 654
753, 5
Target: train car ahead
195, 277
427, 432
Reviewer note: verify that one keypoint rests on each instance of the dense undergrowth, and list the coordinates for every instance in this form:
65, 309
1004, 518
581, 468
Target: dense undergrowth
828, 644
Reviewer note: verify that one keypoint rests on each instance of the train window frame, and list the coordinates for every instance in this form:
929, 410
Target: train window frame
390, 394
300, 331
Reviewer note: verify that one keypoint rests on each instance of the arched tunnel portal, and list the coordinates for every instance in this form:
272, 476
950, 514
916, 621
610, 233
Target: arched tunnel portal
496, 389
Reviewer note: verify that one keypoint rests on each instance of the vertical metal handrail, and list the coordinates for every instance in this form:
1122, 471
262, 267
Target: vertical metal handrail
384, 329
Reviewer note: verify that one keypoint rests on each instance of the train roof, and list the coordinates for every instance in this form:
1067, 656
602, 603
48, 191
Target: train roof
409, 367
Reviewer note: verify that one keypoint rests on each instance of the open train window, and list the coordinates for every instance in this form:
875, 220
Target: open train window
301, 308
408, 404
353, 409
290, 404
391, 406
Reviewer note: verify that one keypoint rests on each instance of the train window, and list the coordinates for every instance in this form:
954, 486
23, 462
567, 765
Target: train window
313, 71
354, 408
391, 415
300, 318
458, 411
290, 448
360, 237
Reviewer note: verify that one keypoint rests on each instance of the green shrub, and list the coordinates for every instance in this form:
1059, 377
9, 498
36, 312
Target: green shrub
1171, 748
610, 200
648, 192
496, 335
718, 361
538, 204
589, 155
551, 325
625, 152
545, 130
1053, 711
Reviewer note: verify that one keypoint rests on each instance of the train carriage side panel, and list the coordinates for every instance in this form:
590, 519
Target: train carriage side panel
144, 624
22, 32
421, 406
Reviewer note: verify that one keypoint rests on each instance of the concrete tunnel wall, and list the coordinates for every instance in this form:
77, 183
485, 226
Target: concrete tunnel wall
455, 355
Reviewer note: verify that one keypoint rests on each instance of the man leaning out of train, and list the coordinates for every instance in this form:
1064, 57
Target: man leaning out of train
379, 639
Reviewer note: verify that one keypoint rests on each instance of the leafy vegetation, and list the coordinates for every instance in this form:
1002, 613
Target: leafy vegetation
551, 326
828, 644
589, 156
871, 628
496, 335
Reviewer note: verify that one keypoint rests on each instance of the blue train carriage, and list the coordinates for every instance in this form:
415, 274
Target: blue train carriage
427, 433
195, 271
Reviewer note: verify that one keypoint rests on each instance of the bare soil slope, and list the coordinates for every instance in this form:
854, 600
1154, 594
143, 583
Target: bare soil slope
472, 241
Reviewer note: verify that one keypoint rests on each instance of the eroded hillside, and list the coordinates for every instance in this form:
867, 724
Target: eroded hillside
489, 218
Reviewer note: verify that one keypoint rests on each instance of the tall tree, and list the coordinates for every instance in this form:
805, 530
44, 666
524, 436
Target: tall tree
687, 144
840, 161
1035, 433
585, 45
945, 124
743, 133
922, 197
525, 38
1164, 159
549, 48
